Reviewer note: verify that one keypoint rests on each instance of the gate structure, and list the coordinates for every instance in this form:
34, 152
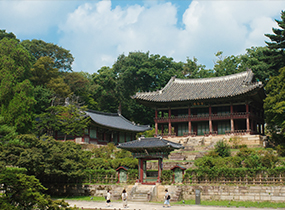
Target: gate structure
150, 149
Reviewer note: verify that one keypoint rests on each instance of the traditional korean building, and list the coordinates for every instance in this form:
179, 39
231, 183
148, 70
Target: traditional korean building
208, 106
106, 128
150, 149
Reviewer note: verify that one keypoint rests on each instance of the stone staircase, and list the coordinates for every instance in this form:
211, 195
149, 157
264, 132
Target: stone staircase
177, 194
142, 193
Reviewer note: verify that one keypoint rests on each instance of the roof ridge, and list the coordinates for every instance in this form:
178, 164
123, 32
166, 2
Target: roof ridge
211, 79
103, 113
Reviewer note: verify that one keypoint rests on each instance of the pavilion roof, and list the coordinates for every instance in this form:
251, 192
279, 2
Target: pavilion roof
150, 143
115, 121
179, 90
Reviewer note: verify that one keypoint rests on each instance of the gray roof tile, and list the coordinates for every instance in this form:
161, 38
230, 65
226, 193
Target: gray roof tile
154, 142
115, 121
206, 88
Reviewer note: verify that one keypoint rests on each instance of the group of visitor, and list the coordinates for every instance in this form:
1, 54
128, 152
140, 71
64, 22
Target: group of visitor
124, 197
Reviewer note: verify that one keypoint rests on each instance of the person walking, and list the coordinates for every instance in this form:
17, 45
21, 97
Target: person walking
124, 198
166, 199
108, 198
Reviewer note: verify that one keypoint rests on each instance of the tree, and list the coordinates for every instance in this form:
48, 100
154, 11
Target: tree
43, 71
7, 133
43, 97
139, 72
191, 69
61, 57
277, 57
10, 35
274, 104
48, 160
222, 149
82, 85
73, 120
69, 119
16, 91
105, 82
226, 65
23, 192
256, 59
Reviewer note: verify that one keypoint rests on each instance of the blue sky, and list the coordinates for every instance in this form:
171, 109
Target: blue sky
98, 31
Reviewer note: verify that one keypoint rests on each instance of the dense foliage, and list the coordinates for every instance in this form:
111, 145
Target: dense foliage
21, 191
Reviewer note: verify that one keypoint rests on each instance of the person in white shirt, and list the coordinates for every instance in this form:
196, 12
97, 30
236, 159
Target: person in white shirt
108, 198
124, 198
166, 199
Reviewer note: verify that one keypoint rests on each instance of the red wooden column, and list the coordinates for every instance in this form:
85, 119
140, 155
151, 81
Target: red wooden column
189, 121
210, 119
140, 170
169, 121
247, 117
156, 125
159, 170
232, 120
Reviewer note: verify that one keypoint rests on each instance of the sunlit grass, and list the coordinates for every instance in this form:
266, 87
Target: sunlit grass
81, 198
245, 204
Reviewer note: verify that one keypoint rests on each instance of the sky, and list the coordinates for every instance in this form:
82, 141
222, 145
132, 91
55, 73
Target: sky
97, 31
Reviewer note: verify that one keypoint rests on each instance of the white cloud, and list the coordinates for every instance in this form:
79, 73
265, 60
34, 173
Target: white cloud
32, 18
96, 32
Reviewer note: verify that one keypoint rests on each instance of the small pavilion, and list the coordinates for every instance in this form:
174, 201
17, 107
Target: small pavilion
149, 149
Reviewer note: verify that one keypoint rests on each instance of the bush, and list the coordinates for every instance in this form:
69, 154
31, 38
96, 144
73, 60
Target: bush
131, 163
166, 176
222, 148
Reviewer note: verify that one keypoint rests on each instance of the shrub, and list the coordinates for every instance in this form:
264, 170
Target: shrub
131, 163
166, 176
222, 148
245, 152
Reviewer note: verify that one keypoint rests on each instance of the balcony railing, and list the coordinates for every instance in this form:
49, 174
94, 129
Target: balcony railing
185, 118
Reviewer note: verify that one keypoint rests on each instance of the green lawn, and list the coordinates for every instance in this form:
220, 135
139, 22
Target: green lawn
81, 198
246, 204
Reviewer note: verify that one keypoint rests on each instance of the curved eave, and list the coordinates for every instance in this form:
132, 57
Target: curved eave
116, 122
151, 103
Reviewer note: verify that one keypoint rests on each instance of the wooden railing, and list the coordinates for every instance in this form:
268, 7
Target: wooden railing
181, 118
259, 180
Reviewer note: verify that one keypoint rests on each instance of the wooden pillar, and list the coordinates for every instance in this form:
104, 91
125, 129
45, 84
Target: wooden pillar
259, 128
159, 170
140, 170
189, 121
156, 125
210, 119
247, 117
232, 120
169, 121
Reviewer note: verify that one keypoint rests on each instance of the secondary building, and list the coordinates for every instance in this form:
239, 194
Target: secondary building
106, 128
208, 106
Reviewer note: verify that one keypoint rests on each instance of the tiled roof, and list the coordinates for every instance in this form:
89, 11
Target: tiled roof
115, 121
146, 143
200, 89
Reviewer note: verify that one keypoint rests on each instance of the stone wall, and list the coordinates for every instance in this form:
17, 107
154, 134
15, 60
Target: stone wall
182, 192
236, 193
